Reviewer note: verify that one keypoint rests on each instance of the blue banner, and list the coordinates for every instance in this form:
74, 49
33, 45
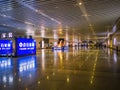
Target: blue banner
25, 46
6, 47
55, 48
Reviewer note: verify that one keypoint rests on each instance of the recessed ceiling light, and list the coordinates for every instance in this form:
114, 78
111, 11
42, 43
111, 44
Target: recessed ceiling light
80, 3
85, 15
56, 7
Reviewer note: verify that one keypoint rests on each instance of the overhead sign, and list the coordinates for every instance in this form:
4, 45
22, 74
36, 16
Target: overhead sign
3, 35
10, 35
7, 35
25, 46
6, 47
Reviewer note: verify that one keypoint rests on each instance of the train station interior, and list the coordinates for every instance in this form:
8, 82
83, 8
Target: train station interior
59, 44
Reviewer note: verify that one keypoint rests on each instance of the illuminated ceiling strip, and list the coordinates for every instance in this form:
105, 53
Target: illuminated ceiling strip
6, 16
25, 22
85, 14
37, 11
11, 27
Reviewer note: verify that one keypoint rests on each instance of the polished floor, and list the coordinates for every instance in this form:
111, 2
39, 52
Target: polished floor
75, 69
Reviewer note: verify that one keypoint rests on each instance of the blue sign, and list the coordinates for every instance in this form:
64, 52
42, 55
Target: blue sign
25, 46
6, 47
65, 48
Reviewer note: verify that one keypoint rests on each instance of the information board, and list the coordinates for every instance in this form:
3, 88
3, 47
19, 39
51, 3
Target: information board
6, 47
25, 46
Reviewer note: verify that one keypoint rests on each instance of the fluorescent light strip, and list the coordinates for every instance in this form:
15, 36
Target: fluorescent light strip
12, 18
37, 11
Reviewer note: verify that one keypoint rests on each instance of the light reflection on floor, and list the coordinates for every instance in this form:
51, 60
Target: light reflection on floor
76, 69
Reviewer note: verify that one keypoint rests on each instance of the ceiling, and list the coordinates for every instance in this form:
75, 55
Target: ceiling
59, 18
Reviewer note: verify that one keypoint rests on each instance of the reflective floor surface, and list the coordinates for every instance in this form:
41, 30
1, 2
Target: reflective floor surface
75, 69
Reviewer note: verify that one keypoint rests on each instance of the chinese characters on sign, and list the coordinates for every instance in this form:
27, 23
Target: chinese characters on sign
25, 46
7, 35
5, 47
